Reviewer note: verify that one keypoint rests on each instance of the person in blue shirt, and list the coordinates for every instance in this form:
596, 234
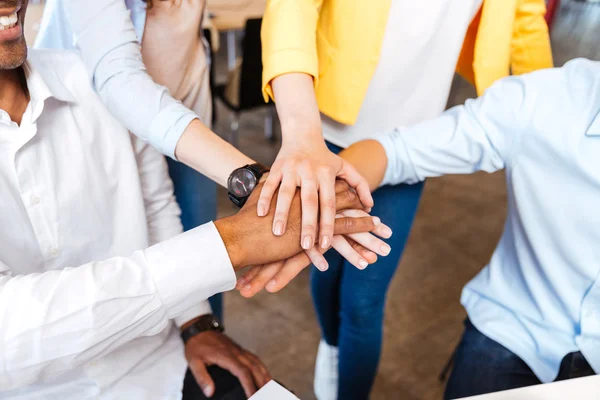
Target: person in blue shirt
534, 310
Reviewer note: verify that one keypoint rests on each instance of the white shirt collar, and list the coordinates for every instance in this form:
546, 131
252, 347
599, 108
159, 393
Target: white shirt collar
44, 83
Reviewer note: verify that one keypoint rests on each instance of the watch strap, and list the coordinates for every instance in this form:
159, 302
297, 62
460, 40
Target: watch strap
204, 324
259, 169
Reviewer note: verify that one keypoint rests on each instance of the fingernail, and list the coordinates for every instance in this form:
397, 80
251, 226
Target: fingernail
323, 267
376, 221
208, 390
261, 211
247, 287
278, 230
385, 249
307, 242
363, 264
387, 232
324, 242
271, 284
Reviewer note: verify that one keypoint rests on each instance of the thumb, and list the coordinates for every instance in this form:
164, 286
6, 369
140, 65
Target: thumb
203, 378
358, 183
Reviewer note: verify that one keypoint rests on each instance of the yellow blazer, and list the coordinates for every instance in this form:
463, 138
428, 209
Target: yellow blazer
505, 36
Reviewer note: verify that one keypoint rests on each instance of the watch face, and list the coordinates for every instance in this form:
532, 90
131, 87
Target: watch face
242, 183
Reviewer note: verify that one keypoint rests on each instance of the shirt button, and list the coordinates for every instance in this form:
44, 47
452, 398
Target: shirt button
35, 200
53, 251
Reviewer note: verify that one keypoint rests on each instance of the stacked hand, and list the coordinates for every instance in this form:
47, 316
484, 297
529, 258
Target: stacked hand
310, 166
249, 239
275, 260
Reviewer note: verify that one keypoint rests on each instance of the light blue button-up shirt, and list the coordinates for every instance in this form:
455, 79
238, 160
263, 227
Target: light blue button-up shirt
107, 33
539, 296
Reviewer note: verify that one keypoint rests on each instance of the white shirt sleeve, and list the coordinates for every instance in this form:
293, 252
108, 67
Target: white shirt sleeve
58, 320
162, 211
105, 36
478, 136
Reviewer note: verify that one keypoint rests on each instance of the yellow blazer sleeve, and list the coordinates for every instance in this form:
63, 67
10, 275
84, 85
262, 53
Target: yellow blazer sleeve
289, 40
531, 41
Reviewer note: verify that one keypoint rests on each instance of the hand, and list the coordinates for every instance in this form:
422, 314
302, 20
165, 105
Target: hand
214, 348
308, 164
249, 240
344, 244
275, 276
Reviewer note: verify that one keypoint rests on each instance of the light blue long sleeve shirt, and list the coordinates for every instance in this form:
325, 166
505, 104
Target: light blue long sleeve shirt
108, 33
539, 296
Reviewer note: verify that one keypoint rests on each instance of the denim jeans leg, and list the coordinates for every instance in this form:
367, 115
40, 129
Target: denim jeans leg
482, 366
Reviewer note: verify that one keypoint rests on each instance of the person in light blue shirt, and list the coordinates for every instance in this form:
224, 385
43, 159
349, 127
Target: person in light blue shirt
534, 310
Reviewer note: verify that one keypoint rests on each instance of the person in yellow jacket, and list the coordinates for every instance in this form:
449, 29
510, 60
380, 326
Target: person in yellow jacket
345, 70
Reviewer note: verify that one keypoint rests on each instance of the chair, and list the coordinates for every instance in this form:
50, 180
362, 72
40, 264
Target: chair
551, 7
243, 90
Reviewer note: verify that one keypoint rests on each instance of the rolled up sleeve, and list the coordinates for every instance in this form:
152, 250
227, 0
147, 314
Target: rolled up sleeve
289, 40
110, 49
477, 136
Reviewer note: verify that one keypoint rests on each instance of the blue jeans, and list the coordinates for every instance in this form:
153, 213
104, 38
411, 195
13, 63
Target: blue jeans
197, 198
350, 302
482, 366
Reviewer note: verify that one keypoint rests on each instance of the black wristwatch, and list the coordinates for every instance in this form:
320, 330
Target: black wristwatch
242, 182
205, 323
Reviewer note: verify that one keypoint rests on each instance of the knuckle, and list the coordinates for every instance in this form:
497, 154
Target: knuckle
308, 228
246, 372
349, 223
310, 201
341, 184
280, 215
329, 203
305, 165
325, 172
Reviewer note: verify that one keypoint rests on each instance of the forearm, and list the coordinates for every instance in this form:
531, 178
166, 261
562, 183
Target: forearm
297, 107
369, 159
208, 154
111, 51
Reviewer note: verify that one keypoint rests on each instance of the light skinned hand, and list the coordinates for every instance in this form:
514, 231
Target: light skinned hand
311, 166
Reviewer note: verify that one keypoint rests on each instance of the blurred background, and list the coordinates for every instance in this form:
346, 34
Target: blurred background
457, 227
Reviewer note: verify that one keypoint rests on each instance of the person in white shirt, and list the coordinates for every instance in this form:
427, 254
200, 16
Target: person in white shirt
93, 268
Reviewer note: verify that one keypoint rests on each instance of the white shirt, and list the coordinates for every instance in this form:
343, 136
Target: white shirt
416, 66
539, 296
85, 305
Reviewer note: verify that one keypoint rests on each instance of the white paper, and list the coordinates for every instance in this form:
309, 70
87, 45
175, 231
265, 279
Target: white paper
273, 391
581, 389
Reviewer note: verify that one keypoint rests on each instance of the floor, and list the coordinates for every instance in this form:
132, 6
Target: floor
458, 224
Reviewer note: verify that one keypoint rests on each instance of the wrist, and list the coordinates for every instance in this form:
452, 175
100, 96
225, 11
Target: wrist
191, 322
231, 235
301, 133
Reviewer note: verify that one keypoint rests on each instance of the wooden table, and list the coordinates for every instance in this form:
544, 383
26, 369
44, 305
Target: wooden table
230, 16
580, 389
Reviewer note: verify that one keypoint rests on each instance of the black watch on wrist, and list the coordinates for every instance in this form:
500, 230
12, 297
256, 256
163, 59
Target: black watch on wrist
242, 182
205, 323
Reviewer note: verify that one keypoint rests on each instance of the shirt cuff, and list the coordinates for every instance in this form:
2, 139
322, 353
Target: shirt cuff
169, 125
194, 311
190, 268
398, 160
